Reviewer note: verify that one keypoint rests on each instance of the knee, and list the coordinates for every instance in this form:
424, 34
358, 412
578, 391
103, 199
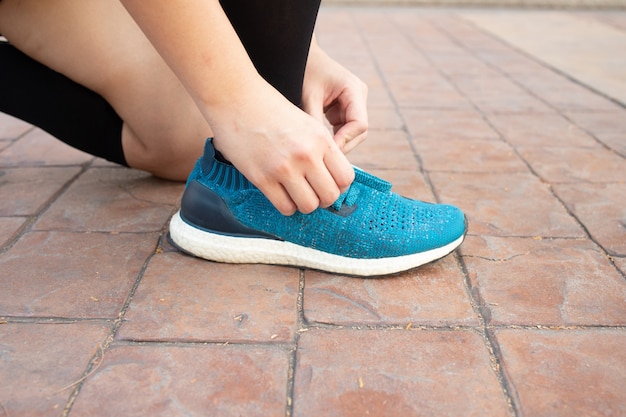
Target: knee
172, 160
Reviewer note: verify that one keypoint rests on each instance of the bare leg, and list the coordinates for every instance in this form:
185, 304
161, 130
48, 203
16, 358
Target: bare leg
98, 45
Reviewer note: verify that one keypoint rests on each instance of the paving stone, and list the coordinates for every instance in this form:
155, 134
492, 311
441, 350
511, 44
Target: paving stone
462, 155
404, 61
166, 246
9, 227
338, 35
41, 362
378, 96
4, 143
462, 50
24, 190
113, 200
59, 274
515, 204
558, 282
359, 62
424, 31
433, 294
429, 90
12, 128
600, 207
557, 49
541, 130
349, 44
491, 52
608, 127
566, 373
465, 67
445, 125
197, 380
378, 34
561, 93
497, 94
562, 164
615, 141
100, 162
389, 149
600, 121
426, 373
620, 262
460, 63
616, 20
38, 148
402, 58
185, 298
382, 118
507, 61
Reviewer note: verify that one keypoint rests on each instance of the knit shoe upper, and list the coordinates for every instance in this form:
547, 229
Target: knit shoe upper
368, 226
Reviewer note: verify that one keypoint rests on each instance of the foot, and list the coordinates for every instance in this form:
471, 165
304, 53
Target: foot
368, 231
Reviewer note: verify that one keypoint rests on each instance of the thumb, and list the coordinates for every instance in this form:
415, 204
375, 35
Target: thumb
348, 136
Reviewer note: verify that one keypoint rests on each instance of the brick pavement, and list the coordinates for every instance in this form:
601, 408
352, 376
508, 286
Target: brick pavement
101, 317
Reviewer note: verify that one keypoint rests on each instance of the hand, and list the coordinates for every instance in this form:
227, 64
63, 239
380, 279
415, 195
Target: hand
285, 152
331, 90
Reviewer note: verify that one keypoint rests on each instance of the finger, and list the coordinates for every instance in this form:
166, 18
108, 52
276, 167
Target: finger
302, 194
339, 167
350, 123
324, 186
279, 197
350, 135
354, 143
352, 104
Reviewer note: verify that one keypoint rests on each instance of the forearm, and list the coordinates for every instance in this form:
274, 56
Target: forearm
208, 58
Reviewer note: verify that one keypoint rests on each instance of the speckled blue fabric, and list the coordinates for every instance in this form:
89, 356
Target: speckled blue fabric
367, 221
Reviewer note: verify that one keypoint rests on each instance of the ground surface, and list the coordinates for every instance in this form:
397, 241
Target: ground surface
101, 317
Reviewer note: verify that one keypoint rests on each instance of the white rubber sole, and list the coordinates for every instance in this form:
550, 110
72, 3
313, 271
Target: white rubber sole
229, 249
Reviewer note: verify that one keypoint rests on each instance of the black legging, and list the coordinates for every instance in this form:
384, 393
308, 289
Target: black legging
276, 35
74, 114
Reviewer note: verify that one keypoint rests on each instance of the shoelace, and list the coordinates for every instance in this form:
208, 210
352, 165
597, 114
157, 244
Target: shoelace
363, 178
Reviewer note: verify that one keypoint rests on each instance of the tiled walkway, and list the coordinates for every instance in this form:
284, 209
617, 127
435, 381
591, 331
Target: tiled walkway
101, 317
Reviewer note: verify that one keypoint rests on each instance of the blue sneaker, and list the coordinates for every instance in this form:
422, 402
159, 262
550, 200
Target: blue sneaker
368, 231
